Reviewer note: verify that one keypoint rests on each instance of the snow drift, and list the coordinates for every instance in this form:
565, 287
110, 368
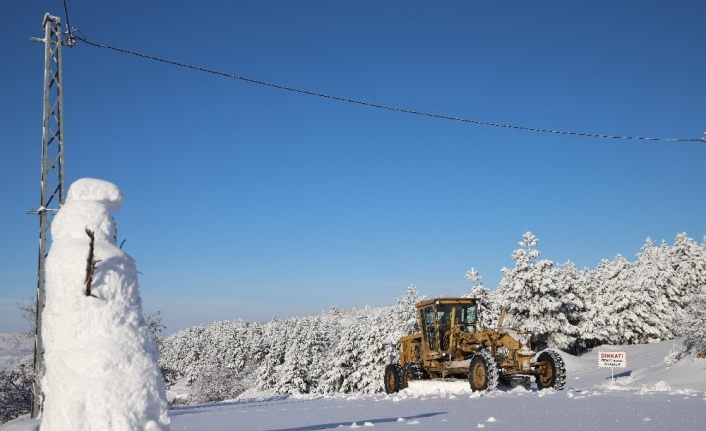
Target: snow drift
101, 363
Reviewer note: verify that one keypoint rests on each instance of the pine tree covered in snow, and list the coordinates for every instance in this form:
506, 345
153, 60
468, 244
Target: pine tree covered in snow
571, 286
535, 302
489, 309
693, 323
369, 342
687, 259
620, 300
594, 325
655, 291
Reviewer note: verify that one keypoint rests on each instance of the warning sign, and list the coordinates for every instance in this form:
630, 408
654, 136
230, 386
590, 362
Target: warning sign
612, 359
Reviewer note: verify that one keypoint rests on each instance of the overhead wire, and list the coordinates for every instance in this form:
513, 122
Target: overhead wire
369, 104
71, 40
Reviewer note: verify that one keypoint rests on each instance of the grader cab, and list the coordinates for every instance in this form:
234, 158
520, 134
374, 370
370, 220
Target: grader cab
453, 343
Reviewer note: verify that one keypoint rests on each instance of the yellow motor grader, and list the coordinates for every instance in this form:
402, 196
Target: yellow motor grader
452, 343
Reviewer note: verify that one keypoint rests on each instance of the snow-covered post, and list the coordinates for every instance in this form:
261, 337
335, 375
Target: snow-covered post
101, 362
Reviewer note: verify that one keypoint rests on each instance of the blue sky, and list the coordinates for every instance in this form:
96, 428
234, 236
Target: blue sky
248, 202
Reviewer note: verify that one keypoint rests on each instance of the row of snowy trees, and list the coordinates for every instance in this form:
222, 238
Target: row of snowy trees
338, 351
658, 296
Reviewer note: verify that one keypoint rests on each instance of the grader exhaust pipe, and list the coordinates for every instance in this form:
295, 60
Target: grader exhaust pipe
501, 319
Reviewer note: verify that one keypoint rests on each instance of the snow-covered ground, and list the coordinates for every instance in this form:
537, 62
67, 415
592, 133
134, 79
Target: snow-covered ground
590, 410
15, 348
647, 395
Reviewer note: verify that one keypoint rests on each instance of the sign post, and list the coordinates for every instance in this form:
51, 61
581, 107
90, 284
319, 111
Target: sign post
612, 360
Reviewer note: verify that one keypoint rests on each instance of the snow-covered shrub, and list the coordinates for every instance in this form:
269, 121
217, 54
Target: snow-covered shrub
16, 391
169, 376
673, 356
154, 326
217, 383
693, 323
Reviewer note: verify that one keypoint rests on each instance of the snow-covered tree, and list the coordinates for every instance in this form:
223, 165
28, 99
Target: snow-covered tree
276, 338
570, 285
473, 276
489, 308
405, 311
594, 325
348, 356
617, 278
320, 342
656, 292
687, 259
293, 372
368, 342
534, 301
16, 391
693, 323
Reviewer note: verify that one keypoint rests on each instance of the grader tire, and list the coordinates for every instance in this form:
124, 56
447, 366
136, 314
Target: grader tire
413, 372
407, 376
483, 374
551, 372
394, 381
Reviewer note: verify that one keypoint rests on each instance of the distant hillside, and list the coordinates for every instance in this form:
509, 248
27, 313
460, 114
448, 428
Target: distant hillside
15, 348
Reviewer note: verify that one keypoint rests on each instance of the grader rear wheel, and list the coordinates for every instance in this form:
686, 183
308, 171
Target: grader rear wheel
551, 372
394, 381
407, 376
413, 372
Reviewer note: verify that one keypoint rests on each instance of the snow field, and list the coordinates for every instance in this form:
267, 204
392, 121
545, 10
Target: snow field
531, 410
647, 395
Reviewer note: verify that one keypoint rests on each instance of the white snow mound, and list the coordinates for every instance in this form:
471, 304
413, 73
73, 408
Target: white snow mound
88, 206
92, 189
449, 388
101, 363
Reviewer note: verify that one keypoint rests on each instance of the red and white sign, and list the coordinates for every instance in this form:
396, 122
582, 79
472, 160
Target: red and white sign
612, 359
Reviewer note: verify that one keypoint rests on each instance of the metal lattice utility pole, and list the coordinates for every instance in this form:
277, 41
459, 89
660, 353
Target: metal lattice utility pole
52, 182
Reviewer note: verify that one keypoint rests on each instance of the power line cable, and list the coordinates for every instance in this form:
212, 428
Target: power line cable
378, 105
71, 40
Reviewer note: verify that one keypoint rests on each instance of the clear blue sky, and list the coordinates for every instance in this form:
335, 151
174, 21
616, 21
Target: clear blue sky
246, 202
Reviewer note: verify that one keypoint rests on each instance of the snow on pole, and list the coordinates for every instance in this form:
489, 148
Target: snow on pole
101, 363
